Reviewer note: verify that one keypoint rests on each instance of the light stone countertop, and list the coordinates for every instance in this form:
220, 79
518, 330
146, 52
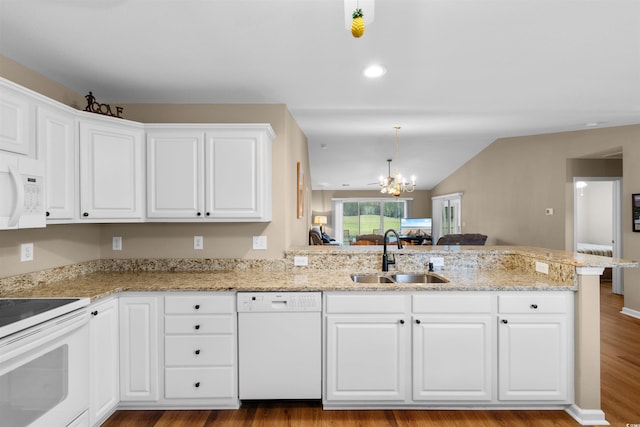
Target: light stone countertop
102, 284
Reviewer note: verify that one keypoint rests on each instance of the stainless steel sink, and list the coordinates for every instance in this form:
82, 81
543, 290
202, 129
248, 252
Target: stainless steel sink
398, 278
370, 278
417, 278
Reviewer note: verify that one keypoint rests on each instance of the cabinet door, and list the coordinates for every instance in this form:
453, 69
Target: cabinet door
366, 358
111, 167
57, 134
139, 348
452, 357
175, 174
104, 360
238, 176
16, 122
533, 357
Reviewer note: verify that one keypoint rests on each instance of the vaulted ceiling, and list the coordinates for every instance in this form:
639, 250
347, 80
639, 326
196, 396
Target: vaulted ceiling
460, 73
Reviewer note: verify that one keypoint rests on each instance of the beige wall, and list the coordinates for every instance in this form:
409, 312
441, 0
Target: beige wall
172, 240
509, 184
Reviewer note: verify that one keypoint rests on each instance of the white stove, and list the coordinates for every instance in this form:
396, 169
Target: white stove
17, 314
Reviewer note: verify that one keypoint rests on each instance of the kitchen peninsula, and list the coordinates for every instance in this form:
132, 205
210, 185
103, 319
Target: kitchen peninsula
492, 295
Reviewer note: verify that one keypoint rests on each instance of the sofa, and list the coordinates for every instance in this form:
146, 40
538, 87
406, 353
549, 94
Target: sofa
462, 239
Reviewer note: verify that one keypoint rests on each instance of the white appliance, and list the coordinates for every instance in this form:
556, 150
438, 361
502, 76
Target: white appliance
279, 341
44, 368
21, 192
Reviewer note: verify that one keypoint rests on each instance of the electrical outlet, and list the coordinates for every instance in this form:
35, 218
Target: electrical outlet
116, 243
259, 243
198, 243
542, 267
26, 252
437, 261
300, 261
548, 211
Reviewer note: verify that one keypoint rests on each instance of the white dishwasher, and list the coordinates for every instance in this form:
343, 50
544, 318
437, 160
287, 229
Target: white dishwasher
279, 345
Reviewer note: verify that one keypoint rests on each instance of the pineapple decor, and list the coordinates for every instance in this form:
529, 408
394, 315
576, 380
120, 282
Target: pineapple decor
357, 26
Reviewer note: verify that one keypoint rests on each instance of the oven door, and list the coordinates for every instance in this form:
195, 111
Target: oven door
44, 373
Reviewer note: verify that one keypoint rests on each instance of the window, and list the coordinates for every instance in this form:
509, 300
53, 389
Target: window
367, 216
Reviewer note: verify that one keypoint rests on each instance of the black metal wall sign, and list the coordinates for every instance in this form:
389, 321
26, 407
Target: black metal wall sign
94, 106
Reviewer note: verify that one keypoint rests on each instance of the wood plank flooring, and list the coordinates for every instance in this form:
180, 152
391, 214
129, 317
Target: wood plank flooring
620, 348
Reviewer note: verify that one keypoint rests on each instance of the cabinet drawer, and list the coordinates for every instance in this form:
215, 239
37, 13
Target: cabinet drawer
533, 303
198, 351
454, 303
198, 383
199, 304
199, 325
356, 303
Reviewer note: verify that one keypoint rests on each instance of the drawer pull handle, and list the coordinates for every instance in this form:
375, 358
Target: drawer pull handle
197, 352
417, 321
197, 384
534, 306
199, 214
94, 313
197, 306
402, 321
197, 327
505, 321
85, 214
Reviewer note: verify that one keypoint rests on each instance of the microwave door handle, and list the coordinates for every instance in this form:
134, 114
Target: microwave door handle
19, 206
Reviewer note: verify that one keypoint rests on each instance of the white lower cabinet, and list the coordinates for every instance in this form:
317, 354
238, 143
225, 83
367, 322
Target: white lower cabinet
535, 347
448, 349
453, 341
200, 350
366, 347
139, 348
104, 362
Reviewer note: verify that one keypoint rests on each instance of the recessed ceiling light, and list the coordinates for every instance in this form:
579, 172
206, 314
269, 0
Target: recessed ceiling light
374, 71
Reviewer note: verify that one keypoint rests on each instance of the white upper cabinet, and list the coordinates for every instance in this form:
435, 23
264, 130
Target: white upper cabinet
111, 171
209, 172
16, 120
57, 134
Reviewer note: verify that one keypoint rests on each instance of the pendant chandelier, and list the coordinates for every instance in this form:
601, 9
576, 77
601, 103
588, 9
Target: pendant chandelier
397, 184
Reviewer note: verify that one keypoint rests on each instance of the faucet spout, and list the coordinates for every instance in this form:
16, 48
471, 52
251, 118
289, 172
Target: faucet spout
385, 258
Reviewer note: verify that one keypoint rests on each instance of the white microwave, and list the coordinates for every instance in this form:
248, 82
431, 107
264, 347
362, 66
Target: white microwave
21, 192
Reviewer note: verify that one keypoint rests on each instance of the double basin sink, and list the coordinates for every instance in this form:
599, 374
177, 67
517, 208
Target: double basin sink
400, 278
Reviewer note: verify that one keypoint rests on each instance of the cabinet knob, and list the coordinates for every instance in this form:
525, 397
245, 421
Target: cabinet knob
197, 327
534, 306
197, 352
48, 213
94, 313
402, 321
417, 321
196, 385
197, 306
208, 213
85, 214
505, 321
199, 214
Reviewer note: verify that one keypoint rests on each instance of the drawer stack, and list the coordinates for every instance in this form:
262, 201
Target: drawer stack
200, 347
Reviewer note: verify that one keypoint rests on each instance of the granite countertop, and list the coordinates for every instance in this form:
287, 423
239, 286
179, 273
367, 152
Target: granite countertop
102, 284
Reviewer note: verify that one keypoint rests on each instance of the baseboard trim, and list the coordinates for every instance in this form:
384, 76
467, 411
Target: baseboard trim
587, 417
630, 312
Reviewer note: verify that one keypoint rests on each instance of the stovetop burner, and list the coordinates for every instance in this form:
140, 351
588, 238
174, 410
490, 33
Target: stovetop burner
13, 310
17, 314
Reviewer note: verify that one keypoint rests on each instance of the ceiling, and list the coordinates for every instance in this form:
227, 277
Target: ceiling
460, 74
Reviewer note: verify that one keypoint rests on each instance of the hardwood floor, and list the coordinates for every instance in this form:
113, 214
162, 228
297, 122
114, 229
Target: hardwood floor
620, 348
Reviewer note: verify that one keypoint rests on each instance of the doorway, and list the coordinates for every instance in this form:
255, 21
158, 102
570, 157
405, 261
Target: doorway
598, 221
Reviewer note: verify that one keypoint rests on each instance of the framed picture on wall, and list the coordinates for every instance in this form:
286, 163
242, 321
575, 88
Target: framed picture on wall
300, 192
635, 205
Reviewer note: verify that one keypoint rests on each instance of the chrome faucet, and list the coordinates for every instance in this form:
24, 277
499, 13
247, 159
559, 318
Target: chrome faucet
385, 258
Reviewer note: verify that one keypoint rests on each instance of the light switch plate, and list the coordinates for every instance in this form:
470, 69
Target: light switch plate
259, 243
26, 252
